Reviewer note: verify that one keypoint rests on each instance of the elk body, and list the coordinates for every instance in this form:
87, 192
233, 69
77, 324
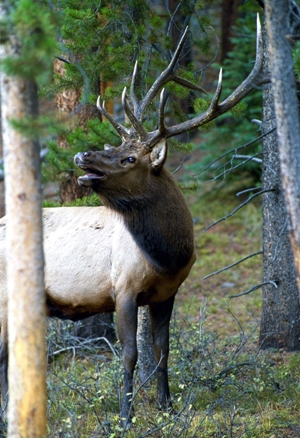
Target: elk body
135, 250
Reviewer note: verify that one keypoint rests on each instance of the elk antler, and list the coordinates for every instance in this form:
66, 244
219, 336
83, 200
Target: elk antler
138, 126
215, 109
166, 76
123, 132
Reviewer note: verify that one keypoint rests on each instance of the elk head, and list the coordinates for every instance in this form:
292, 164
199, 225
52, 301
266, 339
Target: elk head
130, 162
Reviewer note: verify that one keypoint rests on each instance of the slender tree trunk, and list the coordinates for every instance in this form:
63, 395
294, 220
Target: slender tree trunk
287, 114
2, 203
25, 262
228, 19
181, 18
280, 326
146, 358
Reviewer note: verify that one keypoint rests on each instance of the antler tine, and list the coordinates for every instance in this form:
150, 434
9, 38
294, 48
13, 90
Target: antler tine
216, 97
186, 83
161, 115
142, 133
178, 49
252, 80
121, 130
163, 77
132, 86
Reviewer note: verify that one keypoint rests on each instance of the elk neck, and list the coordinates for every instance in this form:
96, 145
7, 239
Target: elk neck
159, 222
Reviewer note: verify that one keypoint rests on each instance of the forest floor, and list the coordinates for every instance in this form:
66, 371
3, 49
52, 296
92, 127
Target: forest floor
222, 384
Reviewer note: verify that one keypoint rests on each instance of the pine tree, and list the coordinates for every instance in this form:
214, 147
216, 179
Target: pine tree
27, 41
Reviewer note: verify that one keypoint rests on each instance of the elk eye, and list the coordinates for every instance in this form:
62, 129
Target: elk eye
131, 160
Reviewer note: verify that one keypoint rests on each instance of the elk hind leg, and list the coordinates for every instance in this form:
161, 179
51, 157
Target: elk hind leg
160, 315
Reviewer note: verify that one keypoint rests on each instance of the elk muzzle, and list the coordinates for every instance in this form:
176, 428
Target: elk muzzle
83, 161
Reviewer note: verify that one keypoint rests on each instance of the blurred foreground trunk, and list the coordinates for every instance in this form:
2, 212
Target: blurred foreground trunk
25, 261
2, 202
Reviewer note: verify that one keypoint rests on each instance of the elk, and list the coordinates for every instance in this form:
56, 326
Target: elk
137, 248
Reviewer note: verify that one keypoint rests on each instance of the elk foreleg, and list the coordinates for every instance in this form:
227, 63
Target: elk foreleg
126, 310
160, 315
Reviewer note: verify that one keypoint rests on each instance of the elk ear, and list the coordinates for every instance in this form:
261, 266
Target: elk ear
159, 154
108, 147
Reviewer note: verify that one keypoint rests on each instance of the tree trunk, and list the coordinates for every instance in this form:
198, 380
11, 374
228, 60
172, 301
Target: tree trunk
181, 18
66, 104
2, 203
287, 114
25, 262
280, 326
146, 358
228, 20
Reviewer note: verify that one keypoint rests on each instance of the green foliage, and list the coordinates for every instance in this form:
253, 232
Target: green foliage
90, 201
38, 127
107, 39
201, 104
59, 161
34, 26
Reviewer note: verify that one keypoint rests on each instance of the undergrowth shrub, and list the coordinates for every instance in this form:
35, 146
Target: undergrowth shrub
221, 387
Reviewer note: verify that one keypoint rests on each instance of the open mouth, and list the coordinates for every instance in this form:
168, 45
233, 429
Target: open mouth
91, 175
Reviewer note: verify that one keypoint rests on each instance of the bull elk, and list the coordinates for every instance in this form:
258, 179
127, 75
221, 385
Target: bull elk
138, 248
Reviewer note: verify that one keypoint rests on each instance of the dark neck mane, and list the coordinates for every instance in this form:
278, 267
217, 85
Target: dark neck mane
161, 226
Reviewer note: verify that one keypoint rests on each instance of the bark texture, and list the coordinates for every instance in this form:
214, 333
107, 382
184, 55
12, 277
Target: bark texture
286, 113
71, 112
2, 203
25, 262
228, 20
146, 358
280, 326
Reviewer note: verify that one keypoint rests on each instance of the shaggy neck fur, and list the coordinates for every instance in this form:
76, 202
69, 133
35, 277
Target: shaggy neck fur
159, 222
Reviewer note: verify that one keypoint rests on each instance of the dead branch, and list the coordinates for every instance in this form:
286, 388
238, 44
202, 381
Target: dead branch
253, 189
235, 150
225, 172
248, 158
238, 208
233, 264
254, 288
